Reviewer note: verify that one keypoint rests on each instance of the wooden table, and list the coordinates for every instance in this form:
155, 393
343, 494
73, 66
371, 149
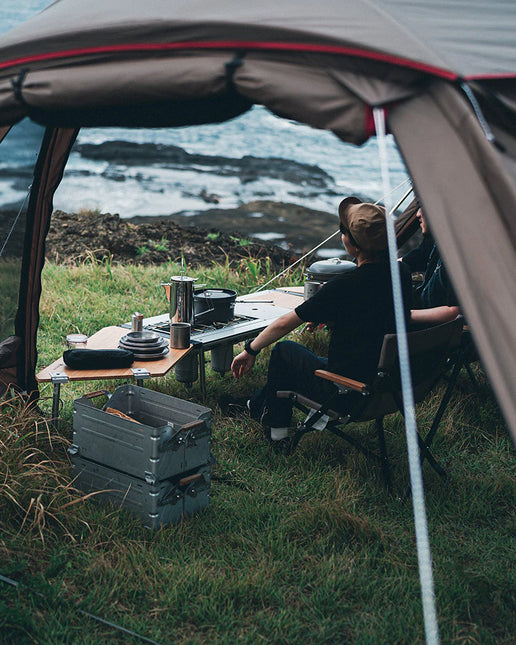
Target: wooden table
277, 302
107, 338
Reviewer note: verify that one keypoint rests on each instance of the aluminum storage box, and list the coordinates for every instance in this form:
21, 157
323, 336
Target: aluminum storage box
159, 504
172, 435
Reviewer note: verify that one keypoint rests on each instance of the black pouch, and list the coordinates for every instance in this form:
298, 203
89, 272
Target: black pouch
102, 359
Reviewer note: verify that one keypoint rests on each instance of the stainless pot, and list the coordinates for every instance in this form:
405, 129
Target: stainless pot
324, 270
214, 305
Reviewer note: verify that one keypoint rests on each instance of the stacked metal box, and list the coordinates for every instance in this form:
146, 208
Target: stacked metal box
153, 458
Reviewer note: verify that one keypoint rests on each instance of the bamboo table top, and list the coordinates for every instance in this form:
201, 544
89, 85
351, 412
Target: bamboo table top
107, 338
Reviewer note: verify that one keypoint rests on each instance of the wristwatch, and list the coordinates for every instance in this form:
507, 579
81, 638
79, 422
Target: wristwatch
247, 347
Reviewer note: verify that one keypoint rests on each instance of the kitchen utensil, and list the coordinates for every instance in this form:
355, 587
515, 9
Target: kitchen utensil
180, 293
180, 335
214, 305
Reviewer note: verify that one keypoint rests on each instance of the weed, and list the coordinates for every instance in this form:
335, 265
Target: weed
240, 241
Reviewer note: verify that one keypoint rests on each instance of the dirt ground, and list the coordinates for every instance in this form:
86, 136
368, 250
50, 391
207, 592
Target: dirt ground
73, 237
210, 236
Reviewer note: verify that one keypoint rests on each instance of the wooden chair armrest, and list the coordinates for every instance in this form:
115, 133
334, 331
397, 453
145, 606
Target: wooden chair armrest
342, 380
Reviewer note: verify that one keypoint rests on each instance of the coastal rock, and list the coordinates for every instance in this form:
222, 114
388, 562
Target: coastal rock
247, 168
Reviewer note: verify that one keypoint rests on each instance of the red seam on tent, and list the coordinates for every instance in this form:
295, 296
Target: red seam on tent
487, 77
238, 44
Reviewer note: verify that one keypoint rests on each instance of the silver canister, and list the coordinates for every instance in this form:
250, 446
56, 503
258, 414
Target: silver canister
180, 335
182, 299
310, 288
137, 322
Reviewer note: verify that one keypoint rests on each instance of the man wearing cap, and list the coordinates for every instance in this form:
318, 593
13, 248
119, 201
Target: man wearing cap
357, 305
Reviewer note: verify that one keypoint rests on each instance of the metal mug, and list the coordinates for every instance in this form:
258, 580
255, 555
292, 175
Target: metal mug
180, 335
311, 287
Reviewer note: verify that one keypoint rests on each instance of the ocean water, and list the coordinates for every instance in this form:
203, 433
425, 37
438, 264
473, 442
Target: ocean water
154, 189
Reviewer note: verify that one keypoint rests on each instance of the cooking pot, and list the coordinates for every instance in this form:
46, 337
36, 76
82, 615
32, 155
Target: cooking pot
324, 270
214, 305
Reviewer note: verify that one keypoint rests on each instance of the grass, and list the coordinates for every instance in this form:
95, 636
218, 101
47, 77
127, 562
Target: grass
302, 549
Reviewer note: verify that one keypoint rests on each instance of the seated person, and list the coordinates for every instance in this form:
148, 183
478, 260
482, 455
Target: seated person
359, 308
435, 300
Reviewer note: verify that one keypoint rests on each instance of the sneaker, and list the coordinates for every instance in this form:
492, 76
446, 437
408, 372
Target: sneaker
234, 406
281, 446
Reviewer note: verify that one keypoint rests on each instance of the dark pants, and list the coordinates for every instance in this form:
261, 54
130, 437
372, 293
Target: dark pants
291, 367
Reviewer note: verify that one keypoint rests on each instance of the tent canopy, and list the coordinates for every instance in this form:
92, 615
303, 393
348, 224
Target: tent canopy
445, 72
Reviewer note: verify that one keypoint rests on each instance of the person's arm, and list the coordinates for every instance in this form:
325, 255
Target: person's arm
280, 327
433, 316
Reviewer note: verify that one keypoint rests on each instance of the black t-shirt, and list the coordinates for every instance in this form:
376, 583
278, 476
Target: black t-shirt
359, 307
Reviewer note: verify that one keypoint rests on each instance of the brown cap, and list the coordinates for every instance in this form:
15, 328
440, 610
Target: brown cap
365, 222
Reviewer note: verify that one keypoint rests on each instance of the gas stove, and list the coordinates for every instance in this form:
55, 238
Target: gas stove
201, 329
252, 315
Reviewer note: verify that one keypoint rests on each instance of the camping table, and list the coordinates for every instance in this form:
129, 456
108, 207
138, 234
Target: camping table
107, 338
272, 304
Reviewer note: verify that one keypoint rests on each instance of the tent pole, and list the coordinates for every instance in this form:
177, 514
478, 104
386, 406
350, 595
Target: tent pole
416, 476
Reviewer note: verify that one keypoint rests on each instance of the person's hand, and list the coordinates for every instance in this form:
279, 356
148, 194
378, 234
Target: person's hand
310, 327
242, 364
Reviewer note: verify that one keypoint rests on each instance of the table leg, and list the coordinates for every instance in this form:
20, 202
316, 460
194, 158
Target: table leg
57, 378
55, 405
202, 374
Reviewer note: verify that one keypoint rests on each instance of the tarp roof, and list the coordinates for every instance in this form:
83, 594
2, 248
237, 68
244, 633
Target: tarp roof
471, 39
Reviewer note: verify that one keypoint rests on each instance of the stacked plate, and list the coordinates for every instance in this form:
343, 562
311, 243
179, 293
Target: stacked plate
145, 345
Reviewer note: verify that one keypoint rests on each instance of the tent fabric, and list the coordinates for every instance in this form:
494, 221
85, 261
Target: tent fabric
48, 173
452, 37
170, 62
472, 217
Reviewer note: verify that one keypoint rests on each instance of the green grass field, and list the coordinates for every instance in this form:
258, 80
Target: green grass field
302, 549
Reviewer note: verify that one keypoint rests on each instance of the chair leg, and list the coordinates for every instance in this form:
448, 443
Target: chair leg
472, 378
426, 454
383, 451
444, 402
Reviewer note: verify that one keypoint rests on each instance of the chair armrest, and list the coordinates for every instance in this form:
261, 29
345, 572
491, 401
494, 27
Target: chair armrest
342, 380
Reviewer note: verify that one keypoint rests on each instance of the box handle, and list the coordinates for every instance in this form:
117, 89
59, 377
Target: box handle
93, 395
186, 481
189, 430
175, 442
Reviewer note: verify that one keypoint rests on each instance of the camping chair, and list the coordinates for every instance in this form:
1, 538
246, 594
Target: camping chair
429, 350
465, 355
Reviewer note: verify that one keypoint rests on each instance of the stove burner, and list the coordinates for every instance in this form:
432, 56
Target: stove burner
199, 328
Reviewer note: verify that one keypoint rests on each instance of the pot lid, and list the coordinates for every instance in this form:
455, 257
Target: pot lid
332, 266
182, 278
213, 294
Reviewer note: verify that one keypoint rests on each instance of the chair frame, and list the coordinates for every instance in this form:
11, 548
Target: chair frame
383, 395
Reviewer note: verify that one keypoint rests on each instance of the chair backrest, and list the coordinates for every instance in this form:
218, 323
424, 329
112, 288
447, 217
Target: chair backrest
429, 351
